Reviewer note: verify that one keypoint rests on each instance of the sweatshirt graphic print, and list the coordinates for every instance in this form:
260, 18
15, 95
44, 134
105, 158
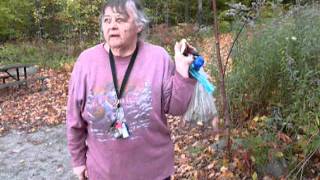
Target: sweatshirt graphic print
101, 111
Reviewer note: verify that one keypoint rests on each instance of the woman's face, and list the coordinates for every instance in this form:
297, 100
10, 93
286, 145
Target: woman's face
119, 30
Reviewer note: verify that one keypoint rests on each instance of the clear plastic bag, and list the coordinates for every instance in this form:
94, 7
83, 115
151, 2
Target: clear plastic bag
202, 108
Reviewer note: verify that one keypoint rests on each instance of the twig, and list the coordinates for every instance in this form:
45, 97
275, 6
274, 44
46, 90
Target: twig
304, 161
237, 37
230, 51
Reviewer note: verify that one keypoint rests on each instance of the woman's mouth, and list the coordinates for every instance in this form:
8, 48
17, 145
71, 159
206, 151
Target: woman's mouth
114, 36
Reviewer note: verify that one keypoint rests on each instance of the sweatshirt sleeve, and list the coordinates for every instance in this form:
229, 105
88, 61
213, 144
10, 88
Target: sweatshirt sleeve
177, 90
76, 126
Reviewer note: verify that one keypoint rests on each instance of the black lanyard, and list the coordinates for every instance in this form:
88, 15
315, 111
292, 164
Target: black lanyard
126, 75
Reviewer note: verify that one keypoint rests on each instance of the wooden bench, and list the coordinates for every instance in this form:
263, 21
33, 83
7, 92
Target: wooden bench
25, 82
4, 77
14, 73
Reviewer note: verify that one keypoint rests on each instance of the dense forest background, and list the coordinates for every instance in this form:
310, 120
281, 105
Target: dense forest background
63, 20
272, 76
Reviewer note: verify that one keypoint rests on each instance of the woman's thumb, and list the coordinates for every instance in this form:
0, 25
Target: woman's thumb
86, 174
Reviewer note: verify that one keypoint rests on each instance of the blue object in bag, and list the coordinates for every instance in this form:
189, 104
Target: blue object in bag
197, 63
194, 70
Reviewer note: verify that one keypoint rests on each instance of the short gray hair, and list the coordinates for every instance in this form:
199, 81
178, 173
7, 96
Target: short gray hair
121, 6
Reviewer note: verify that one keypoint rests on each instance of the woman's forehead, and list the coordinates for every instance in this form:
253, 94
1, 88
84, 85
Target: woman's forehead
117, 11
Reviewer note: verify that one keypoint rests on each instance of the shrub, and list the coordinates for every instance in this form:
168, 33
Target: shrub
276, 72
278, 65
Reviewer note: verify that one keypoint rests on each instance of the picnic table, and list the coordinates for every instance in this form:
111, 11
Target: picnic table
16, 72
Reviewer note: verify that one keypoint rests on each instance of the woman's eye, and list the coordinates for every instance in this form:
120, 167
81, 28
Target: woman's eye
119, 20
107, 20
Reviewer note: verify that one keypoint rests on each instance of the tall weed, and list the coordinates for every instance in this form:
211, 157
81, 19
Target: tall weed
276, 72
278, 64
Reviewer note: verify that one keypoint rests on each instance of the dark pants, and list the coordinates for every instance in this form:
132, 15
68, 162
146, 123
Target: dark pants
168, 178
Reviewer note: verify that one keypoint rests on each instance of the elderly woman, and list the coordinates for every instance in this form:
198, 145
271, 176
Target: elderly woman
119, 93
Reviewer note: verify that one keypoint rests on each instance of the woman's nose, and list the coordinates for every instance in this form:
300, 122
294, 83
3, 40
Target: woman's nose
113, 24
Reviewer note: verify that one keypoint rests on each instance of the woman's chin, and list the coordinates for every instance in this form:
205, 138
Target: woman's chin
115, 45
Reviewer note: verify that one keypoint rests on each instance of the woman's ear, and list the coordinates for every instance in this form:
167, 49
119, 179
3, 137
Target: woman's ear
140, 28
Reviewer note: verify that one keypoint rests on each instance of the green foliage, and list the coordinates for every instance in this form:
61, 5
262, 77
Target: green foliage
177, 11
276, 71
195, 150
15, 18
51, 54
77, 20
315, 144
224, 26
64, 20
278, 63
258, 147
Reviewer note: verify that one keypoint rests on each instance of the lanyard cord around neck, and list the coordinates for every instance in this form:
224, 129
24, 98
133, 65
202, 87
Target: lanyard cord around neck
126, 75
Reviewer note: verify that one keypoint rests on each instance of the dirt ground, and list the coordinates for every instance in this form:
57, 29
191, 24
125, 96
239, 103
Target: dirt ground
39, 155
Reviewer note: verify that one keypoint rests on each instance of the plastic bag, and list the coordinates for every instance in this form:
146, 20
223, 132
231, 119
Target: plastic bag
202, 108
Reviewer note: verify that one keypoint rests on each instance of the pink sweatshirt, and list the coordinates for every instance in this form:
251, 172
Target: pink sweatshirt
154, 88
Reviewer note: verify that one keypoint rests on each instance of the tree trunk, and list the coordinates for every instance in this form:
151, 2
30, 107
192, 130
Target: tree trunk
199, 13
167, 13
222, 78
39, 18
186, 11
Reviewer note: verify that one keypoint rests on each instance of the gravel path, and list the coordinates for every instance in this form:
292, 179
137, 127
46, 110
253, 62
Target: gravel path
39, 155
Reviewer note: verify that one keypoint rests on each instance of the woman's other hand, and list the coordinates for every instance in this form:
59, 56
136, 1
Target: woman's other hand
182, 62
81, 172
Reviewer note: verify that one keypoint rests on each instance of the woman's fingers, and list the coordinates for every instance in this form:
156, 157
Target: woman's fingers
191, 47
177, 48
80, 172
183, 43
180, 47
86, 174
81, 177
